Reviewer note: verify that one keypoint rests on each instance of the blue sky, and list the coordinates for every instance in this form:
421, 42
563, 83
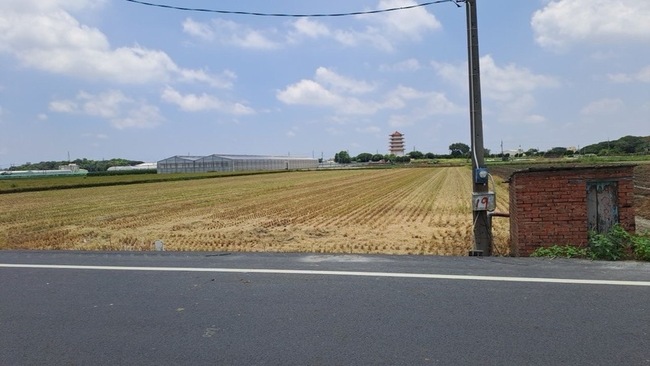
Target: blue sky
103, 79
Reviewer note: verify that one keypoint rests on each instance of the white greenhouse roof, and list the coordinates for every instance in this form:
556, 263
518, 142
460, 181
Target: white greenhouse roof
257, 157
239, 157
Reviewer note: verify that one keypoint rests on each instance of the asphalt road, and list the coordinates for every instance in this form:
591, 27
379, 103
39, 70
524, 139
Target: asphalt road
74, 308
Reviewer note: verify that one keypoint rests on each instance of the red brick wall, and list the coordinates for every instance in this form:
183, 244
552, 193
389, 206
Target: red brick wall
548, 206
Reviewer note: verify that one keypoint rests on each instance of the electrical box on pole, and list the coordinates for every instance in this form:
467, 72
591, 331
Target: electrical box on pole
481, 229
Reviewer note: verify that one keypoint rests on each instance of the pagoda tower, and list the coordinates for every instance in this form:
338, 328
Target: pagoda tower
396, 144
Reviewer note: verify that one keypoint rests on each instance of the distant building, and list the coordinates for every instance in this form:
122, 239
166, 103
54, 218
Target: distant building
142, 166
232, 163
70, 169
513, 152
396, 144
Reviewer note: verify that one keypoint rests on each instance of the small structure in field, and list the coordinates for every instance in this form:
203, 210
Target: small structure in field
560, 206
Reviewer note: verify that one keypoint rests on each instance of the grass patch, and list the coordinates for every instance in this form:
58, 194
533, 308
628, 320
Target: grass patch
36, 184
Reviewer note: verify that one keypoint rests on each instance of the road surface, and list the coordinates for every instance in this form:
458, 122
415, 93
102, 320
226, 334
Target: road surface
161, 308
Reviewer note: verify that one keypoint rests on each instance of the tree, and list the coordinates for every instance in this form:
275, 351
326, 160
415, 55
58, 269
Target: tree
90, 165
556, 152
430, 155
342, 157
415, 155
624, 145
364, 157
532, 152
377, 157
459, 149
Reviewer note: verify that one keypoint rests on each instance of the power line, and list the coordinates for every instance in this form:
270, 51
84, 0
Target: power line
294, 15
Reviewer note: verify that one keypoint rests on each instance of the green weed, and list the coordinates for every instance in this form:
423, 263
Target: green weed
560, 251
615, 245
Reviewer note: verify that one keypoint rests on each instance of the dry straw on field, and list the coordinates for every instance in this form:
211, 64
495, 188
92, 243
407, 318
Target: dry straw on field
396, 211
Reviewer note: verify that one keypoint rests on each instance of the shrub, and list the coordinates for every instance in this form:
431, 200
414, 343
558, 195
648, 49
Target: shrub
641, 246
614, 245
618, 244
610, 246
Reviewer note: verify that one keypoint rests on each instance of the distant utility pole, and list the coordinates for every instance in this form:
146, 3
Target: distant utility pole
482, 235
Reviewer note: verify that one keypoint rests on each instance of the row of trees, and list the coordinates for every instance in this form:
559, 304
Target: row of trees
457, 149
626, 145
90, 165
344, 158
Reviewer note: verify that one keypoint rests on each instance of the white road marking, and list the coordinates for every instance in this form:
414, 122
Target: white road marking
338, 273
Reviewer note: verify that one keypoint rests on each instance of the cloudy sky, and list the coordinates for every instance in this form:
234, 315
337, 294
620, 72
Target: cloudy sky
103, 79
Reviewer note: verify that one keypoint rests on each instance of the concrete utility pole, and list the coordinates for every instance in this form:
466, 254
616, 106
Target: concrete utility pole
482, 235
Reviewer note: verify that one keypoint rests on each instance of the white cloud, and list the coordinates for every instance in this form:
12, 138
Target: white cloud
330, 90
143, 116
310, 28
197, 29
64, 106
406, 65
105, 105
224, 80
203, 102
45, 36
518, 109
411, 23
385, 30
381, 31
309, 92
511, 87
337, 92
603, 106
642, 76
420, 106
113, 106
505, 83
370, 130
562, 23
429, 103
497, 82
97, 136
369, 36
232, 34
341, 83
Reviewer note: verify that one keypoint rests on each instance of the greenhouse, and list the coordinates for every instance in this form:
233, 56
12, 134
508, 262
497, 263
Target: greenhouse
233, 163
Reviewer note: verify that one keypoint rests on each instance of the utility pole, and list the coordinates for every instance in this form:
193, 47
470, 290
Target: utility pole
482, 235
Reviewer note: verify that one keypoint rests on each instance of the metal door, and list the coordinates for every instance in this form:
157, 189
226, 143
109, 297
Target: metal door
602, 206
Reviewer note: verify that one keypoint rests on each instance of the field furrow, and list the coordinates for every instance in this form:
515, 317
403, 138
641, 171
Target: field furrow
424, 211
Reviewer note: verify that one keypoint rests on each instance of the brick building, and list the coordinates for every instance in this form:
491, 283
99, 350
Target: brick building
559, 206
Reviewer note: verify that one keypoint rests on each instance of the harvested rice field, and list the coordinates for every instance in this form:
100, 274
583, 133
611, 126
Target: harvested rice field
392, 211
